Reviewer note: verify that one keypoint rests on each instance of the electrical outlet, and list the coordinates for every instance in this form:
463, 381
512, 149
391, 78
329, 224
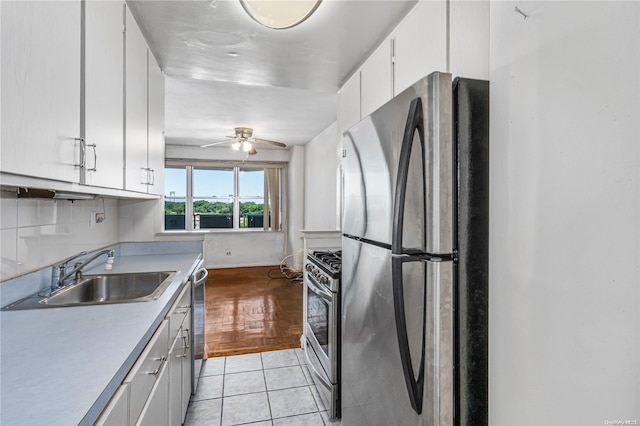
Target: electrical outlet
92, 220
99, 217
228, 253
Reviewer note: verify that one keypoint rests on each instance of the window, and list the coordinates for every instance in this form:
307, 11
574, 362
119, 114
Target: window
175, 198
219, 196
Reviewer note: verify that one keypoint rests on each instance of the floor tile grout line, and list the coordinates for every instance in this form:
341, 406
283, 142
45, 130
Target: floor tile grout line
224, 375
264, 377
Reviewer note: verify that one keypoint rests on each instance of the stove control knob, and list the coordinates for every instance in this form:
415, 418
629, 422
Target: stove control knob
308, 267
324, 280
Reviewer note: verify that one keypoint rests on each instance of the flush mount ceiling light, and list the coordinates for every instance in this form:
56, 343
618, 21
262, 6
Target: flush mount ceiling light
280, 14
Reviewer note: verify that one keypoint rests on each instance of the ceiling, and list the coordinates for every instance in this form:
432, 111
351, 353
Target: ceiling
224, 70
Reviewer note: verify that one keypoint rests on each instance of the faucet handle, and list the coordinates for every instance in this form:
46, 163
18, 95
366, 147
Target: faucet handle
109, 264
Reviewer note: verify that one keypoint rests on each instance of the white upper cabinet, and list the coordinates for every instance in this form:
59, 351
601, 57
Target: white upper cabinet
420, 44
349, 103
376, 79
41, 88
104, 108
469, 39
144, 124
156, 128
136, 69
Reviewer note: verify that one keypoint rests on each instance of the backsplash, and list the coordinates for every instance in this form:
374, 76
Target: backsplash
37, 232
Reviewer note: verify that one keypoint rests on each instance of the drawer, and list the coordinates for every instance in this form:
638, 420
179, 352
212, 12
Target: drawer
178, 311
144, 372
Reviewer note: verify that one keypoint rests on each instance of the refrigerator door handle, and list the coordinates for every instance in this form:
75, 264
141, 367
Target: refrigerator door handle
415, 121
415, 385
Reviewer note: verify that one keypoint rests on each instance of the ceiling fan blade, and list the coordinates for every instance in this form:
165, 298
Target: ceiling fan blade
216, 143
268, 142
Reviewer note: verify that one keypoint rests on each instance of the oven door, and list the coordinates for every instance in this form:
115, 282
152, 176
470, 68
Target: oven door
322, 320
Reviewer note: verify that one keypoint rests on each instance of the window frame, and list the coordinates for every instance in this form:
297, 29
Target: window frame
189, 166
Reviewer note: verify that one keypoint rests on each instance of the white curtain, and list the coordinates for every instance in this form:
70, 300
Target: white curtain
272, 185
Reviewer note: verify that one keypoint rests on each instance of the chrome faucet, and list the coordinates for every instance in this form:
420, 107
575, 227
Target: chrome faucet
59, 274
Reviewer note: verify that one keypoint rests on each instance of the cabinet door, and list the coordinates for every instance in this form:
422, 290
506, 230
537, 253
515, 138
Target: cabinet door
117, 411
156, 410
376, 79
156, 127
136, 176
349, 104
187, 363
41, 88
104, 87
420, 44
145, 372
175, 382
469, 39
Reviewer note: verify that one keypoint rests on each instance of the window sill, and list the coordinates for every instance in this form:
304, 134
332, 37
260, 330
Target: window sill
215, 231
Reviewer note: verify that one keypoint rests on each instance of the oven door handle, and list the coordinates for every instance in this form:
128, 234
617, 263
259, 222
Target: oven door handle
319, 291
309, 364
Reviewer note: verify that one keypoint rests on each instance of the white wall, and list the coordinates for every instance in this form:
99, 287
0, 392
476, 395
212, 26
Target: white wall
252, 248
295, 211
564, 232
38, 232
321, 170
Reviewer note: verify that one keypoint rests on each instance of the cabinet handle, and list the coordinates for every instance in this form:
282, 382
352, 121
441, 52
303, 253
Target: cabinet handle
95, 158
182, 312
145, 172
162, 359
83, 155
153, 177
186, 342
83, 149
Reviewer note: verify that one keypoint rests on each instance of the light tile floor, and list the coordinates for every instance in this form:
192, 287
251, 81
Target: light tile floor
268, 388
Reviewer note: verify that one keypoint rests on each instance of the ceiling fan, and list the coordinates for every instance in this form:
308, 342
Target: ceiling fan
243, 141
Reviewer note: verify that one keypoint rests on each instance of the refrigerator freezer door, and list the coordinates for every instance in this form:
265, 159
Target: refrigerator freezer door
371, 169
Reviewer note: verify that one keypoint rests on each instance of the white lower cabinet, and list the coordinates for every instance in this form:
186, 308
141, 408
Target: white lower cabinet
180, 374
117, 411
145, 372
175, 377
186, 364
158, 387
180, 356
156, 409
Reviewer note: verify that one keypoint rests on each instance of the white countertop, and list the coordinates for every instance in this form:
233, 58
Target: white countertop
60, 366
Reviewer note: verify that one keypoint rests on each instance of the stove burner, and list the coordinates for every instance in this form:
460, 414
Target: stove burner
331, 259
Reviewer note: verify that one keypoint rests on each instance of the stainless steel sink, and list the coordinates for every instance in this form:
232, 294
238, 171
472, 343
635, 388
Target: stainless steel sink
102, 289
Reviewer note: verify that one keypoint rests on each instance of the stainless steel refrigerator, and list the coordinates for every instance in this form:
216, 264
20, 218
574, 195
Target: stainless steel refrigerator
415, 258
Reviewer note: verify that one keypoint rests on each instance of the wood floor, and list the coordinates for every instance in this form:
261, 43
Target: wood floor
248, 311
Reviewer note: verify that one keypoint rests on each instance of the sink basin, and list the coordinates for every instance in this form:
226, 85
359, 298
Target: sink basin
102, 289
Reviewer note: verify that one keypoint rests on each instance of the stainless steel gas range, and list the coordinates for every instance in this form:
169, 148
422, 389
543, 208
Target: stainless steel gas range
322, 331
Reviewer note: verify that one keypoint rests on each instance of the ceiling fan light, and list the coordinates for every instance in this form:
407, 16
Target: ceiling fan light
246, 147
278, 14
236, 146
